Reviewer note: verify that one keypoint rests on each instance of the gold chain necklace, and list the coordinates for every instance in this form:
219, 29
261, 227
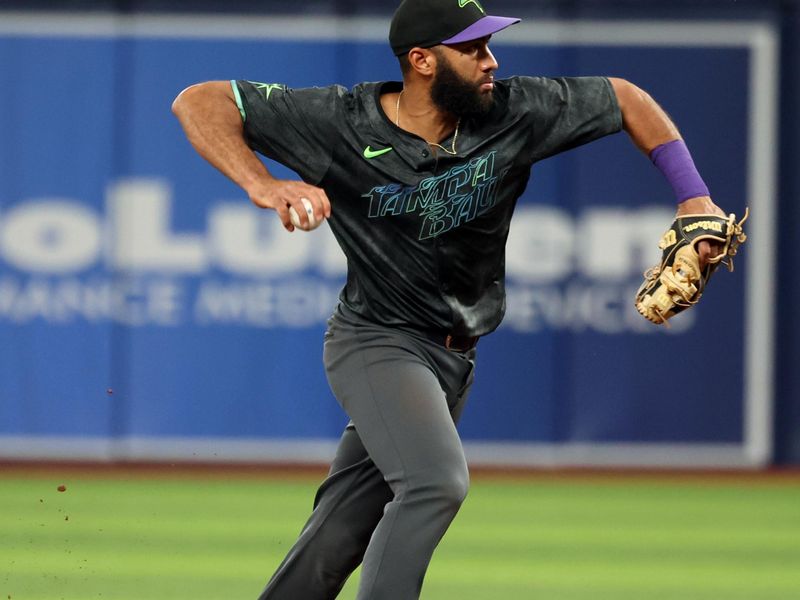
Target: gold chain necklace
455, 134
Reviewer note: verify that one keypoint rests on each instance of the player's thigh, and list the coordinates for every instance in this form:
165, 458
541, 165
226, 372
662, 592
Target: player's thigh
396, 403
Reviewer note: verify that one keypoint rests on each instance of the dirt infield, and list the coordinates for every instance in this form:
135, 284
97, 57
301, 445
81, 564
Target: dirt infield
126, 469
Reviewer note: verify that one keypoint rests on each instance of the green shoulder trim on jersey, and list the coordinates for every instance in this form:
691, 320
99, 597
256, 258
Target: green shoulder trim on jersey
238, 97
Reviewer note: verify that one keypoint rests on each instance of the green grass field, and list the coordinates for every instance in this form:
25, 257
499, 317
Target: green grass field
203, 536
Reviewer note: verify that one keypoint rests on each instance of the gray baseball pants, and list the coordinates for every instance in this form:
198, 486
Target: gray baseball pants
399, 475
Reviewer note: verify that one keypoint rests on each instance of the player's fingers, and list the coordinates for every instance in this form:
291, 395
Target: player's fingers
707, 252
326, 203
283, 214
298, 202
283, 195
703, 252
320, 202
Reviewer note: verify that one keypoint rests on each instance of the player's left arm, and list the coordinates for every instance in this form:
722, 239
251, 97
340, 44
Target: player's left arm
651, 129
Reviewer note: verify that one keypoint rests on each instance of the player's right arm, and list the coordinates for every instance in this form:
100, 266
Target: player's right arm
213, 125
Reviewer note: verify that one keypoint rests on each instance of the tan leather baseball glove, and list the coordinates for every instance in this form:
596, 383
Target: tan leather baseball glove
678, 282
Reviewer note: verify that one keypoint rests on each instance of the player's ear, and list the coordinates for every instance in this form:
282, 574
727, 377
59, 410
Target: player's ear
422, 60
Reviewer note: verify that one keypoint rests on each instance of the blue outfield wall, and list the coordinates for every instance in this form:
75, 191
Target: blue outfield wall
787, 414
148, 310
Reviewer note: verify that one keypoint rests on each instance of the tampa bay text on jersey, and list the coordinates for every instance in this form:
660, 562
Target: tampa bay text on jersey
447, 200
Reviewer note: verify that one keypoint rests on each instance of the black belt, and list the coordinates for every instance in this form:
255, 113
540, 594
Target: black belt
457, 343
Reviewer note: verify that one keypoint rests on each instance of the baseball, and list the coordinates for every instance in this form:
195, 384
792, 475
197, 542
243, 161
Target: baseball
295, 218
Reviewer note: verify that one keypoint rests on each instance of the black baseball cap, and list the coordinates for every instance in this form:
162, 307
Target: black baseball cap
426, 23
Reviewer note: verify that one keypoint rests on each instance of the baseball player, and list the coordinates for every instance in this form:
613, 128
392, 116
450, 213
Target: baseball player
418, 180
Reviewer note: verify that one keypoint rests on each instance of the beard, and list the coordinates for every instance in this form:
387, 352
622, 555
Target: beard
454, 94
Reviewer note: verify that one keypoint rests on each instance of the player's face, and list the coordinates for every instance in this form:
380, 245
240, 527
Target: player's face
464, 80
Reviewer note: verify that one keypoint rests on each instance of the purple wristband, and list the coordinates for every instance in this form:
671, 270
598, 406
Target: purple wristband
676, 164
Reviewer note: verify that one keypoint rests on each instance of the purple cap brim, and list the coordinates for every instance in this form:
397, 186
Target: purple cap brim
488, 25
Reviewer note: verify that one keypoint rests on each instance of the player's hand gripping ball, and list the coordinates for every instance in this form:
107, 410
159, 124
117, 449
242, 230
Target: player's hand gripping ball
312, 221
678, 282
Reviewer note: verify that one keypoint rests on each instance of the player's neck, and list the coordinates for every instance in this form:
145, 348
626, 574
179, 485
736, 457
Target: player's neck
414, 111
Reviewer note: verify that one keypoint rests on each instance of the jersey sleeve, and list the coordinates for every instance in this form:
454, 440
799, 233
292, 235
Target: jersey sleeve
567, 112
295, 127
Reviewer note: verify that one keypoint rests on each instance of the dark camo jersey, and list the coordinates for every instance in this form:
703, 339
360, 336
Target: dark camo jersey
424, 232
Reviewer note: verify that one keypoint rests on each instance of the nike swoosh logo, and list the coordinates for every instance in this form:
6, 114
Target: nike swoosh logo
370, 153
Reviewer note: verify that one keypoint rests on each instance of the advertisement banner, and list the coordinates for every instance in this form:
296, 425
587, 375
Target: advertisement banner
148, 310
